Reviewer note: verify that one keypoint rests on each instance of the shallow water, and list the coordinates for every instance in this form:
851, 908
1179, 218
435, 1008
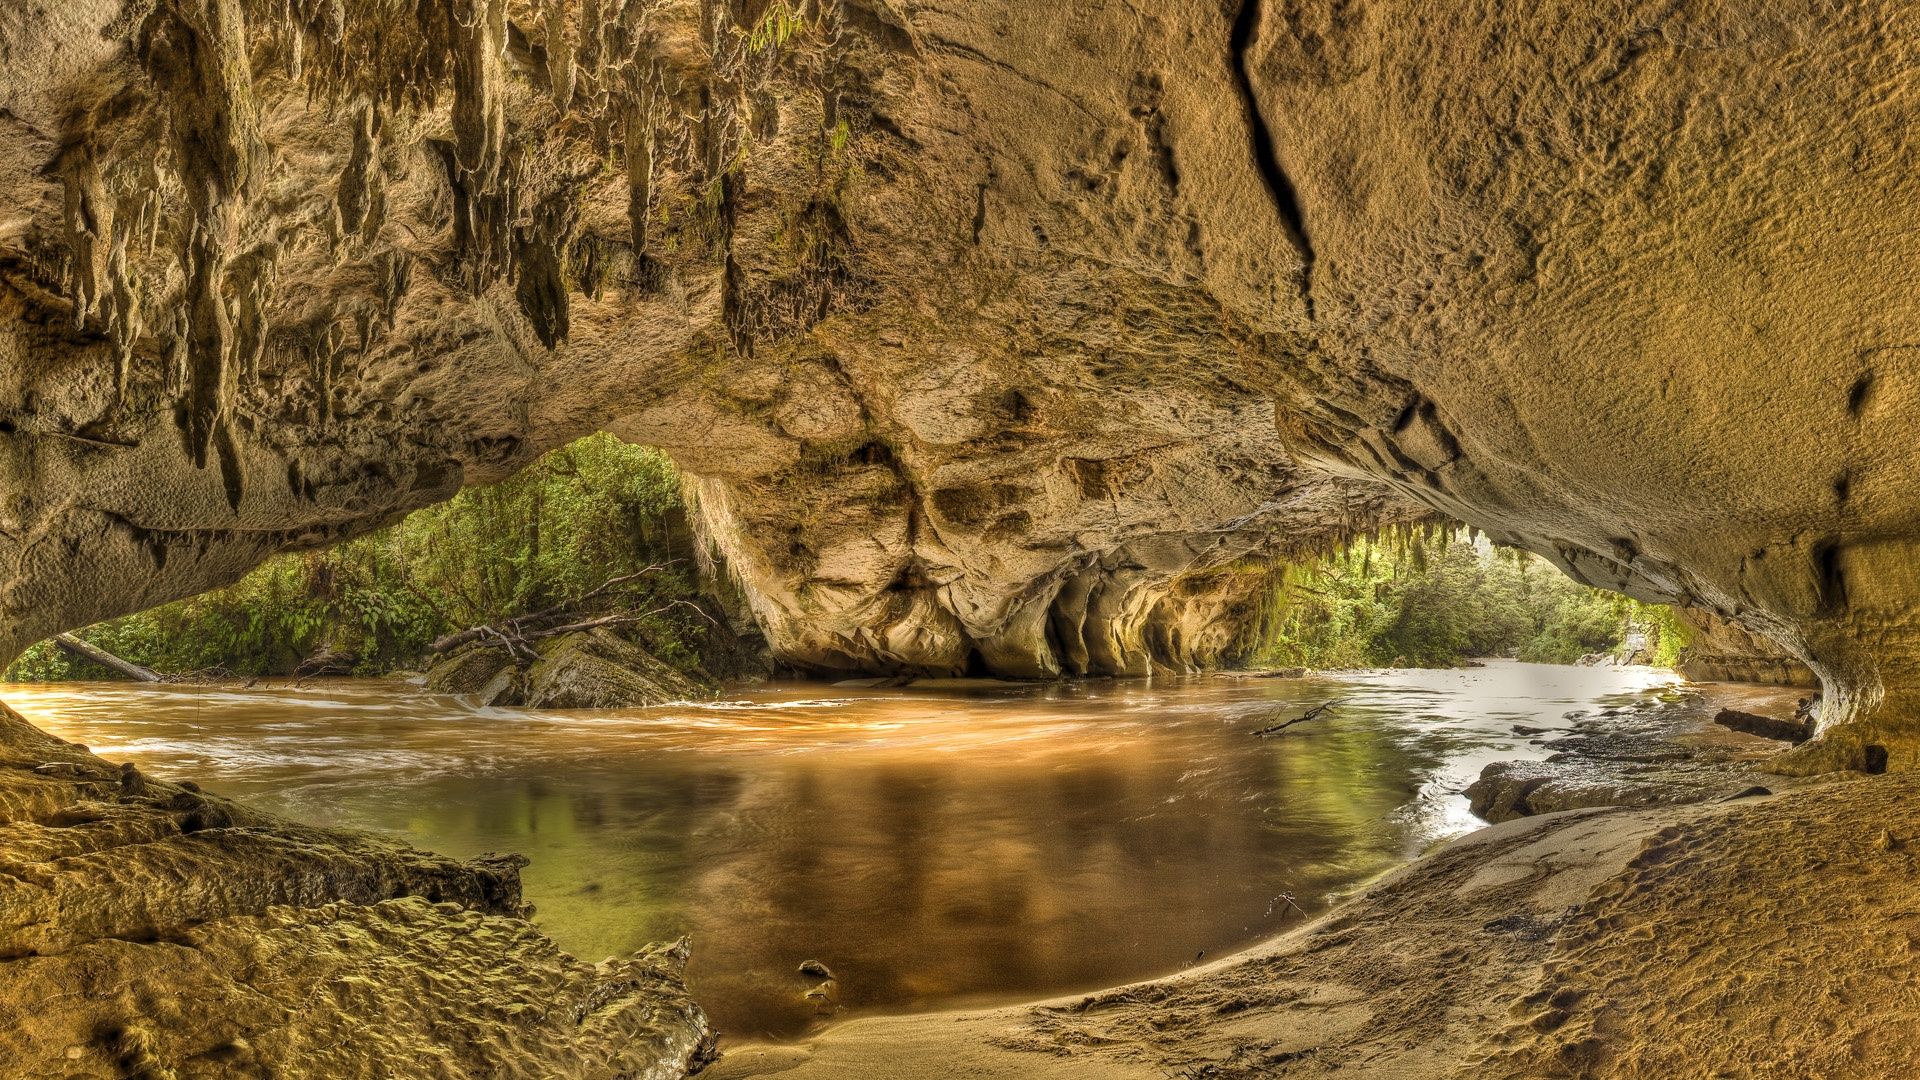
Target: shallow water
931, 847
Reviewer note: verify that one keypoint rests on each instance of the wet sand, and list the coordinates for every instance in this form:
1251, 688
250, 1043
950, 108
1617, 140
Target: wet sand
1765, 937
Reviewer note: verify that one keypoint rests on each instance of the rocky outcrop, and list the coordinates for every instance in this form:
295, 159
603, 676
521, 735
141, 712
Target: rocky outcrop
966, 317
1648, 754
148, 928
589, 669
1721, 651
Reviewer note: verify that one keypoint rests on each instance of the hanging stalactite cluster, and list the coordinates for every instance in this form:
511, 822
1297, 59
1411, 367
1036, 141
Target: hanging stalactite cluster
174, 253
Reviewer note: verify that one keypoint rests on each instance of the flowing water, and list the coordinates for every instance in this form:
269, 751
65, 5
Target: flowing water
932, 846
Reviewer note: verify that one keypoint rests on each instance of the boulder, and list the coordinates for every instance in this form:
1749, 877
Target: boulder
471, 670
593, 669
598, 669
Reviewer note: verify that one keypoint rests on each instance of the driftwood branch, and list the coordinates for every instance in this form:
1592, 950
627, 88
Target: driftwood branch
518, 626
517, 641
1311, 714
88, 651
612, 620
516, 647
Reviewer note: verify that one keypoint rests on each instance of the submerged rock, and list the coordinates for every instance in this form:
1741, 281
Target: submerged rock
1623, 757
154, 930
593, 669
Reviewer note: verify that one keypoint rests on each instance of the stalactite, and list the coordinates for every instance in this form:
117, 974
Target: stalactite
394, 271
251, 283
639, 149
591, 53
479, 120
560, 75
126, 326
328, 344
482, 222
540, 263
196, 53
361, 197
209, 344
89, 220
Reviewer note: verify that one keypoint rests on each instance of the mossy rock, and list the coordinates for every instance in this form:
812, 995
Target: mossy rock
597, 669
469, 670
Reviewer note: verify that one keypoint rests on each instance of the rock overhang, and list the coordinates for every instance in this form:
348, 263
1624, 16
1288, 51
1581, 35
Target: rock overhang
956, 315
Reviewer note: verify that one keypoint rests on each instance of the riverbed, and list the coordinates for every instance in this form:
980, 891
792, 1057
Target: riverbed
931, 847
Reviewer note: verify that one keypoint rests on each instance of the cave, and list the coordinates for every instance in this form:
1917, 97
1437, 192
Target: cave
986, 338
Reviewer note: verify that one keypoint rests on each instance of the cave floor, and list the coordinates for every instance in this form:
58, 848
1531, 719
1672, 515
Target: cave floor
1768, 936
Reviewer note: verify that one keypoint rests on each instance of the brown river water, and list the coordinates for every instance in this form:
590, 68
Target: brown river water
933, 847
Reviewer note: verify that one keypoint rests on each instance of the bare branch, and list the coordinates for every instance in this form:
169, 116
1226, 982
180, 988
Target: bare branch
519, 623
1311, 714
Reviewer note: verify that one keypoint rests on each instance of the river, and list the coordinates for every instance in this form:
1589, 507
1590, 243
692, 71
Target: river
930, 846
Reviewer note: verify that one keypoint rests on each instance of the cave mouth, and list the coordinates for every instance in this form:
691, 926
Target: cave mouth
1009, 350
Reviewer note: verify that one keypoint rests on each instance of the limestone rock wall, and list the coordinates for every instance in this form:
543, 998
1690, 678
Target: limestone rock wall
1723, 652
966, 318
1561, 298
275, 274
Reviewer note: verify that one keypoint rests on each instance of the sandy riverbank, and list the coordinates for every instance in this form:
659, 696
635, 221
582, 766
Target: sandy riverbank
1761, 937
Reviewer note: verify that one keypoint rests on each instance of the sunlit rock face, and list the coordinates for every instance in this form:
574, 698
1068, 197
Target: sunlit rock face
982, 329
1721, 651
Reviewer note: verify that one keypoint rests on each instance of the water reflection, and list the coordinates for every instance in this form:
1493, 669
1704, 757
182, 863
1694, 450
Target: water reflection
928, 847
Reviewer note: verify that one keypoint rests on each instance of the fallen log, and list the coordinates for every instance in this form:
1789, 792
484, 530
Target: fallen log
1766, 727
89, 651
331, 662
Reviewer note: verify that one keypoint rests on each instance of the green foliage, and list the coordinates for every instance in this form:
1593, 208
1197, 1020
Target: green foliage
581, 515
1666, 636
1432, 599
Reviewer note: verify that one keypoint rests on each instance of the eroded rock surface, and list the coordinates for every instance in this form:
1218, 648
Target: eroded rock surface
285, 271
150, 929
1652, 753
1721, 651
983, 327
